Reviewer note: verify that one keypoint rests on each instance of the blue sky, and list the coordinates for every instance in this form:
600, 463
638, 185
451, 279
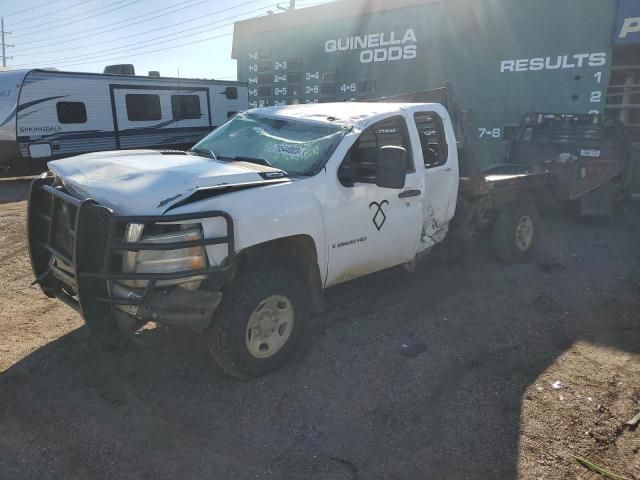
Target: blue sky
192, 36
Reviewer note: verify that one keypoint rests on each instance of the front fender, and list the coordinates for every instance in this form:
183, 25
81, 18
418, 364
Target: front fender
267, 213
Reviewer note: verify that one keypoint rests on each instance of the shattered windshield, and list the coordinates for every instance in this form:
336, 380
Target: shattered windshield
298, 148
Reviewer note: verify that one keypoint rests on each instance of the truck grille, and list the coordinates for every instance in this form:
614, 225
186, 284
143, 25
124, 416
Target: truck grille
63, 228
76, 247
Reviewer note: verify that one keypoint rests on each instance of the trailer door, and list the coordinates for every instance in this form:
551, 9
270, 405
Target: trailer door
160, 116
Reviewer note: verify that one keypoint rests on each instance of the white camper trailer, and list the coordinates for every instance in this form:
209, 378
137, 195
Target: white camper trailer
50, 114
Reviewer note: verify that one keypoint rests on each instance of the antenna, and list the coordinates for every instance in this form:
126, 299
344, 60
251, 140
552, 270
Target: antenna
179, 105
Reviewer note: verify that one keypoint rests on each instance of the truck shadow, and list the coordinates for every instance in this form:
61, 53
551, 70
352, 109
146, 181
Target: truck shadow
14, 189
361, 401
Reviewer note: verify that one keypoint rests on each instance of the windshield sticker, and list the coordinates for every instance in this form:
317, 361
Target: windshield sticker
291, 150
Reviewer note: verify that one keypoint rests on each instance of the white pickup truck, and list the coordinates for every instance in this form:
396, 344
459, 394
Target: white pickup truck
240, 235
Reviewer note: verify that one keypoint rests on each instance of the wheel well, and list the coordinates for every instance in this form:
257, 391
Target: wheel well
297, 253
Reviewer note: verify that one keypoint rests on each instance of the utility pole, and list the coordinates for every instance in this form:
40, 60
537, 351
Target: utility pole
4, 45
292, 5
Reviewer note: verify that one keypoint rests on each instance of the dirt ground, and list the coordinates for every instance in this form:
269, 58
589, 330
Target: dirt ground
471, 396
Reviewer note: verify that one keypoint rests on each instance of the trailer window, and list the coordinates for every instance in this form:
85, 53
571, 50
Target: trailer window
185, 107
71, 112
432, 139
143, 107
360, 163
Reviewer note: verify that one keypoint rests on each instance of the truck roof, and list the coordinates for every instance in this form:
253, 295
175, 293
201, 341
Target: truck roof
358, 114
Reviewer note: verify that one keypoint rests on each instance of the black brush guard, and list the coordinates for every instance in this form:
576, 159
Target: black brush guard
85, 237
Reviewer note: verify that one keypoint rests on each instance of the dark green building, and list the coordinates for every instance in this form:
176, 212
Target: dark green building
504, 57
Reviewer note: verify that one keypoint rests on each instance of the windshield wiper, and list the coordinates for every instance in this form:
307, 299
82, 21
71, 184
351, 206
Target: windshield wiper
206, 151
259, 161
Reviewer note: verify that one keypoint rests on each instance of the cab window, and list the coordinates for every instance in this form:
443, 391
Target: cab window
433, 141
359, 165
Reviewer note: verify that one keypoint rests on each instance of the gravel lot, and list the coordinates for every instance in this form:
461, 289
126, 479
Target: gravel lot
471, 395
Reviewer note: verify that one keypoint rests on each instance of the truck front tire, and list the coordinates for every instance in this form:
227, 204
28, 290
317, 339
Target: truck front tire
516, 230
260, 322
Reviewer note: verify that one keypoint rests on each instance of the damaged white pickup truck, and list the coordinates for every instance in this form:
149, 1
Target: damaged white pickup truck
240, 235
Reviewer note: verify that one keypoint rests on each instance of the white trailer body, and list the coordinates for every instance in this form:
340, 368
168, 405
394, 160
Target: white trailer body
10, 85
46, 115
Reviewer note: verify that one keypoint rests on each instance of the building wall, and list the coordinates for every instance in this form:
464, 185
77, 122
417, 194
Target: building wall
504, 57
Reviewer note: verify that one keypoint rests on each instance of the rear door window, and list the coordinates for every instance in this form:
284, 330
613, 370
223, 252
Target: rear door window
433, 141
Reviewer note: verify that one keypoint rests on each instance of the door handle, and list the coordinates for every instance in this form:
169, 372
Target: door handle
409, 193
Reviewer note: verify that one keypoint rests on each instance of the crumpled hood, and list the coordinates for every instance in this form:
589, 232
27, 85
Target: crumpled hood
148, 182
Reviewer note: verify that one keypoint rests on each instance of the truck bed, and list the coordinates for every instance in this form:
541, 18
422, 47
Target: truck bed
482, 196
501, 179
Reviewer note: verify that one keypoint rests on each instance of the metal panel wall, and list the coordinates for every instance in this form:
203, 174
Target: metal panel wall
505, 57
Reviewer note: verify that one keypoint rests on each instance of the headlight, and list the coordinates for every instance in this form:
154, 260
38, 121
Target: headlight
164, 261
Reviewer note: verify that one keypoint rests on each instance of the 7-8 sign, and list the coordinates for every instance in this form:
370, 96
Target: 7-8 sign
490, 133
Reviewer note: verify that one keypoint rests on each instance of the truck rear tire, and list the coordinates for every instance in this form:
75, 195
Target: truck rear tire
260, 322
516, 230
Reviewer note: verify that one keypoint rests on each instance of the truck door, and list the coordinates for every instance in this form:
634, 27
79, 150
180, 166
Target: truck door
371, 228
153, 116
437, 160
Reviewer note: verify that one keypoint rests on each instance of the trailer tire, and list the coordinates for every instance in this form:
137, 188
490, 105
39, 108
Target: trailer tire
264, 308
516, 231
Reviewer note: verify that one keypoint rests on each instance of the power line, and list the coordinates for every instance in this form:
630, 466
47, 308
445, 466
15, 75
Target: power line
97, 57
86, 18
152, 51
28, 27
31, 19
93, 30
190, 20
31, 8
172, 35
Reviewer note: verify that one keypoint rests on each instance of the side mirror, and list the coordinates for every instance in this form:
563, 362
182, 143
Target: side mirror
391, 167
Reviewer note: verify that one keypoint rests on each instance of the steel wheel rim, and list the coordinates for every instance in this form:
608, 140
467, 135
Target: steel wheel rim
270, 326
524, 233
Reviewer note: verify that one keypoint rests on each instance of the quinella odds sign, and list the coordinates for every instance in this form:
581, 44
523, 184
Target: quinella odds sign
377, 47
